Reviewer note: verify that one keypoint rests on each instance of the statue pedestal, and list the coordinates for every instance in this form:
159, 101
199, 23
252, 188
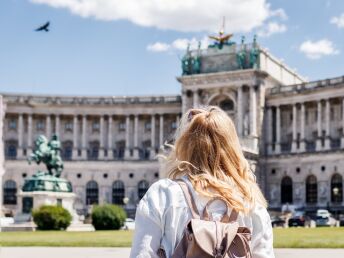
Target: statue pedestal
45, 189
35, 199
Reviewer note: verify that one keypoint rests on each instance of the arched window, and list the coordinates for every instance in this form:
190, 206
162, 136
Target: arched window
11, 149
10, 192
337, 188
118, 192
92, 193
67, 150
224, 102
94, 150
142, 188
311, 190
287, 190
226, 105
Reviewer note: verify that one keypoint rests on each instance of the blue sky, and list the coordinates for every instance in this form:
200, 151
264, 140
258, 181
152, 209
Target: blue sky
112, 47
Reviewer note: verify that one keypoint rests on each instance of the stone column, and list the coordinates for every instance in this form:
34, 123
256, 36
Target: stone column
195, 98
29, 134
253, 112
184, 101
109, 145
75, 137
294, 143
84, 138
319, 120
20, 136
161, 131
101, 137
269, 129
48, 126
327, 125
127, 137
278, 131
342, 143
136, 137
240, 112
57, 125
152, 152
177, 121
302, 133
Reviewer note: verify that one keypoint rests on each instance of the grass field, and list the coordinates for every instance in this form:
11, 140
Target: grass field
283, 238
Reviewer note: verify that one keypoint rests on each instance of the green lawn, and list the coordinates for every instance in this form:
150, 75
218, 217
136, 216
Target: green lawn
309, 237
284, 238
71, 239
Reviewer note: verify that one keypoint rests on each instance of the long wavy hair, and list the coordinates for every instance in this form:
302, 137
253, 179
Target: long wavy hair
208, 151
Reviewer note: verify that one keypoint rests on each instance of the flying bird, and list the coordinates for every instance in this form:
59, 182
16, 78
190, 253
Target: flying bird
44, 27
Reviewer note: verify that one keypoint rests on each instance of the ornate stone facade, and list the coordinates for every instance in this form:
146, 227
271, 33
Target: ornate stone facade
291, 131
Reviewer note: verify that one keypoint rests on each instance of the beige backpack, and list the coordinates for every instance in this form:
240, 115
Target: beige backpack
205, 238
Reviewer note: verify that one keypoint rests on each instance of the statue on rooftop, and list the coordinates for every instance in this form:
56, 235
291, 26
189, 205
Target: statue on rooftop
254, 54
186, 61
221, 39
241, 55
196, 61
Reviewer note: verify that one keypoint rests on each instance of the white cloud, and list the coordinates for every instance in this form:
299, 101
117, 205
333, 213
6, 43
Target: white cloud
158, 47
180, 15
271, 28
279, 13
339, 21
178, 44
318, 49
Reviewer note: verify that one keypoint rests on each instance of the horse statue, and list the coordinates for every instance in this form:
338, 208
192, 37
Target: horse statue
48, 152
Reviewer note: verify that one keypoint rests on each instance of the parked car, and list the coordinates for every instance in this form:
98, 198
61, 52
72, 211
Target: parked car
325, 218
277, 221
300, 219
129, 224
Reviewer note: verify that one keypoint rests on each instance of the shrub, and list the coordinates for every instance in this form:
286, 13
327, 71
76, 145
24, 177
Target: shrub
49, 217
108, 216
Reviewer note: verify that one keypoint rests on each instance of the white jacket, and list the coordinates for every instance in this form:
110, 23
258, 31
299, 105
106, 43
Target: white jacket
162, 215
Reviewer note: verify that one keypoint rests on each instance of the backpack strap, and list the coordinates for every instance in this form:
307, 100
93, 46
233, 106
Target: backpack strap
226, 218
189, 198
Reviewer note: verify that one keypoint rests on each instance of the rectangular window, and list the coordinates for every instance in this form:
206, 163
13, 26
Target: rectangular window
95, 126
174, 125
121, 126
12, 124
148, 126
68, 126
40, 125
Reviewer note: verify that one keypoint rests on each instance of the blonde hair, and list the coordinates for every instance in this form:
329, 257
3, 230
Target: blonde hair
208, 151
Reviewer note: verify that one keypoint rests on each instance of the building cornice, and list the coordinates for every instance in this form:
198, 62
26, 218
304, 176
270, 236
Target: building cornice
232, 78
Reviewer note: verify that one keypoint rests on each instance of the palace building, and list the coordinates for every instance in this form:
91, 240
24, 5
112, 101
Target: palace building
291, 131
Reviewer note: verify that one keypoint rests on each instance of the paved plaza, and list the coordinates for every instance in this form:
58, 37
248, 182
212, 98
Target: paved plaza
67, 252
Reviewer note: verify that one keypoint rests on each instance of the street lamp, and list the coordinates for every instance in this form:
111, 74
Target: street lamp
335, 191
125, 200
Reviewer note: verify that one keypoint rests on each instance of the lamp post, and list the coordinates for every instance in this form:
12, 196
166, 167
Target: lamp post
335, 191
126, 200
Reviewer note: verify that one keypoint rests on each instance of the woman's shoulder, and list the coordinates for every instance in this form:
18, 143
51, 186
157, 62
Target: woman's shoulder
161, 195
162, 185
162, 191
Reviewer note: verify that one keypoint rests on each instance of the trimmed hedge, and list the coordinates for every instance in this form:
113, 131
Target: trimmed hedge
108, 217
50, 217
